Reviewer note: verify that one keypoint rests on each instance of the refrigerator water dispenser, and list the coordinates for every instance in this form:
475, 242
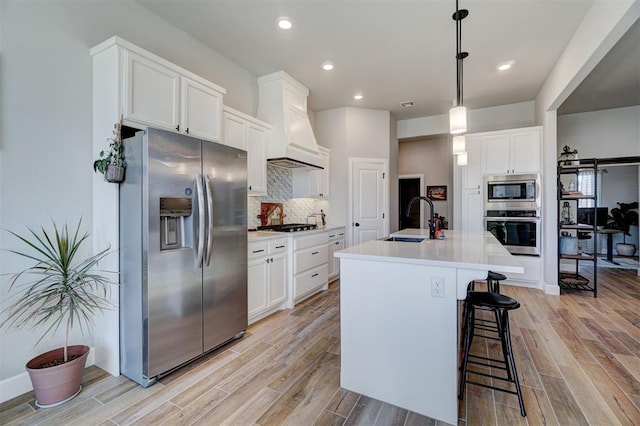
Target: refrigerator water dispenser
174, 212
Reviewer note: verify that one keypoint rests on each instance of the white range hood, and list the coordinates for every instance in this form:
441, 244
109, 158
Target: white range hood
282, 102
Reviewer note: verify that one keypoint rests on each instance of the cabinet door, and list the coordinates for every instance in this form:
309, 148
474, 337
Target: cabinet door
334, 263
525, 152
277, 280
473, 171
472, 211
497, 153
257, 159
321, 177
151, 92
257, 286
235, 131
201, 110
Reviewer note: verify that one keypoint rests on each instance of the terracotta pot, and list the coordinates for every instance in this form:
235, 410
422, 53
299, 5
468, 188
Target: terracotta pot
56, 385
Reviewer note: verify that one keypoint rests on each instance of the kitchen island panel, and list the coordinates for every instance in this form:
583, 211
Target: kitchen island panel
399, 341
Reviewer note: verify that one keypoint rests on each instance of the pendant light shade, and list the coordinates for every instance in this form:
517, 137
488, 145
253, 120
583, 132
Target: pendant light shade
462, 159
458, 120
459, 144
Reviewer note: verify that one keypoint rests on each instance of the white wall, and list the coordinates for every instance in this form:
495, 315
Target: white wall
351, 132
601, 134
479, 120
603, 25
430, 157
46, 115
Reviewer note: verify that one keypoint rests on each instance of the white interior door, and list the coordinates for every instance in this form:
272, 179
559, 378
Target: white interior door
369, 207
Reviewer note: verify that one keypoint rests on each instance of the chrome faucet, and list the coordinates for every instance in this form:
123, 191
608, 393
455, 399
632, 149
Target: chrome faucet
432, 226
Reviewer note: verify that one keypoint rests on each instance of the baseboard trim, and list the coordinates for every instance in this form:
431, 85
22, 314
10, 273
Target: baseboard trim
552, 289
20, 383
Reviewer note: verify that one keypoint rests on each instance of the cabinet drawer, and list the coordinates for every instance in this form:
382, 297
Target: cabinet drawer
310, 280
336, 234
278, 246
300, 243
310, 258
257, 249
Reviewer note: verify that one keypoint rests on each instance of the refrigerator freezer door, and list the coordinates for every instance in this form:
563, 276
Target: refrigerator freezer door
174, 282
225, 278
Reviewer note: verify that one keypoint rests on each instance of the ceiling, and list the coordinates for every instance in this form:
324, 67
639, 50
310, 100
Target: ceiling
389, 50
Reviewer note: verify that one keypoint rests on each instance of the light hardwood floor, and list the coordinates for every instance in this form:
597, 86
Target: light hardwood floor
578, 360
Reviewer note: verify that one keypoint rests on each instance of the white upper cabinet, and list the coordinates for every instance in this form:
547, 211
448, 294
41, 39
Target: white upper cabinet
245, 132
235, 128
154, 92
513, 151
313, 183
257, 158
472, 172
201, 110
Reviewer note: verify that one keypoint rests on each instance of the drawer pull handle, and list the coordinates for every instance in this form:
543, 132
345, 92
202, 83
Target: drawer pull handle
280, 246
315, 252
341, 234
331, 236
315, 275
337, 242
258, 251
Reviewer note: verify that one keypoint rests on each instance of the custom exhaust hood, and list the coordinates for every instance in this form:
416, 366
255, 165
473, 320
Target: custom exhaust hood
282, 102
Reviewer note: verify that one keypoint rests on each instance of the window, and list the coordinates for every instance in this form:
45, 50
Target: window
586, 186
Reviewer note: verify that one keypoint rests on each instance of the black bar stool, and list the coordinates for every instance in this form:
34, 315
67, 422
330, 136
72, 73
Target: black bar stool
493, 286
501, 305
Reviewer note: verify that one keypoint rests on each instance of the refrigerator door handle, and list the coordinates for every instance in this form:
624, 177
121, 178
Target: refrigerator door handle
209, 197
200, 222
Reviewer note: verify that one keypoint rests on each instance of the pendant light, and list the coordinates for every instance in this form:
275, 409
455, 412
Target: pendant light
462, 159
458, 114
459, 144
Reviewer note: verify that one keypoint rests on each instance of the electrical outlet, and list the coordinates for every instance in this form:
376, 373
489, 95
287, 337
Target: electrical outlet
437, 286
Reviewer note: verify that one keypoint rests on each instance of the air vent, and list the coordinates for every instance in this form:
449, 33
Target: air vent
407, 104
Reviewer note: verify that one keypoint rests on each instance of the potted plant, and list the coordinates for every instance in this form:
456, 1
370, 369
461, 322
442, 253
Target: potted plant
57, 290
622, 218
112, 163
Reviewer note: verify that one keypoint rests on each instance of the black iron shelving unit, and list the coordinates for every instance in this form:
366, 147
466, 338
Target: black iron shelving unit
574, 279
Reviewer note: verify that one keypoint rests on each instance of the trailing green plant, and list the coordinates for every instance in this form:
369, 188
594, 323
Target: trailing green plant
623, 217
58, 289
115, 155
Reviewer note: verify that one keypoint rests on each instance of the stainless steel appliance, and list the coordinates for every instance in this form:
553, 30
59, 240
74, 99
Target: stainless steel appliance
517, 230
510, 192
183, 251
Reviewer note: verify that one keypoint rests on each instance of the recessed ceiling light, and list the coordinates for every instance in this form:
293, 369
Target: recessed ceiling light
408, 104
357, 97
505, 66
285, 23
327, 66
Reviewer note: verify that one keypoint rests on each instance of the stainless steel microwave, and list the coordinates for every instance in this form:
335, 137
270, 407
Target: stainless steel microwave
512, 192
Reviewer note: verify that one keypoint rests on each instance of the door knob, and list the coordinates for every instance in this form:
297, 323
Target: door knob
357, 224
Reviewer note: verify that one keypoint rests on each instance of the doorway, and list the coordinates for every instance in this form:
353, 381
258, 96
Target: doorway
410, 186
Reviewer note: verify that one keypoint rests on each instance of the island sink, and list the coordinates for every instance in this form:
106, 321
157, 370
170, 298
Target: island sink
405, 239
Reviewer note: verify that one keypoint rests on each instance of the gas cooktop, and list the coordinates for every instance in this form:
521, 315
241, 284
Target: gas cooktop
288, 227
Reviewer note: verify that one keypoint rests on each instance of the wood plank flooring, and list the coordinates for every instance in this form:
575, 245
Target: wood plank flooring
578, 359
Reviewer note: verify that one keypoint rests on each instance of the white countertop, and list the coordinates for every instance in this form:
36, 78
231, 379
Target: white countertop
458, 249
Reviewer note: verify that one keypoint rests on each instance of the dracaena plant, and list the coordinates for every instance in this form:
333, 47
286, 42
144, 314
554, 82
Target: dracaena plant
623, 217
58, 290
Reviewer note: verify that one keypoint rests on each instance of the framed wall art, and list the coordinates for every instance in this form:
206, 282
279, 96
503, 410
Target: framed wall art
437, 192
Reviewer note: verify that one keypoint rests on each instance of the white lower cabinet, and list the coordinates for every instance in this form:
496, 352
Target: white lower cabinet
309, 270
267, 277
336, 243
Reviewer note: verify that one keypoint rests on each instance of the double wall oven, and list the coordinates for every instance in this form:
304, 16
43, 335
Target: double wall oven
512, 212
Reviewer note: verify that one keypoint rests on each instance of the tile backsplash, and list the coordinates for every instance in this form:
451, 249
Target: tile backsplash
279, 189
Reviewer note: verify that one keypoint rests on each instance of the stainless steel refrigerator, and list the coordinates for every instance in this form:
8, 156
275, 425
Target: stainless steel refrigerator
183, 251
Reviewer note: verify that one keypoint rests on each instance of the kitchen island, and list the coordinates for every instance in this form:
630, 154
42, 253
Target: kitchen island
399, 315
